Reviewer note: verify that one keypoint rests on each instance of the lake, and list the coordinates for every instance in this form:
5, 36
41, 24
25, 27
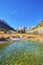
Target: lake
21, 53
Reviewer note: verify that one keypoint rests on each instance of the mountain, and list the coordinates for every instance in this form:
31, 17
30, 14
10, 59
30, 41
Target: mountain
5, 26
22, 28
38, 29
40, 24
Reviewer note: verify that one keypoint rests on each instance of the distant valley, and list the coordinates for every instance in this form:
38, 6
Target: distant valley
5, 27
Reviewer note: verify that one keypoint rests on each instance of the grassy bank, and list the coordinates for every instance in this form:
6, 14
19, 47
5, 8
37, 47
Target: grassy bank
25, 36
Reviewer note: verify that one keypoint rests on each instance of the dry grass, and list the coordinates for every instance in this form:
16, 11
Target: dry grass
27, 36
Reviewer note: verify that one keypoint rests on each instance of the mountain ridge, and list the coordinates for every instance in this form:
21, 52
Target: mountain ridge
38, 29
5, 26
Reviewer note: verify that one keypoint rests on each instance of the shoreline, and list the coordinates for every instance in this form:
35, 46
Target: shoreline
18, 37
3, 42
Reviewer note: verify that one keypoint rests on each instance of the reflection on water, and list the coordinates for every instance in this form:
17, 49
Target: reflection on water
2, 45
22, 53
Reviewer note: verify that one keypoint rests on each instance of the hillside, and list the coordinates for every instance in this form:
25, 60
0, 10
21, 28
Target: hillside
37, 29
4, 26
40, 24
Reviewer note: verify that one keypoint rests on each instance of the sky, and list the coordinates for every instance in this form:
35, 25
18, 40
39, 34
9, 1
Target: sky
21, 12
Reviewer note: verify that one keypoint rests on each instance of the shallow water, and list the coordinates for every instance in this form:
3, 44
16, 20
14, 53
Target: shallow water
22, 53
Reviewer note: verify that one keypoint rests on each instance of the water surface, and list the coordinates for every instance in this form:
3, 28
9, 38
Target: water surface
22, 53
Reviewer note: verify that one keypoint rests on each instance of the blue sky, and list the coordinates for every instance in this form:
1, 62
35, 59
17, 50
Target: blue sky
21, 12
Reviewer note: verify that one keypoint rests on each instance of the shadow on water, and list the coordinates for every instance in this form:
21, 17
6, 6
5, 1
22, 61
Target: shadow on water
4, 44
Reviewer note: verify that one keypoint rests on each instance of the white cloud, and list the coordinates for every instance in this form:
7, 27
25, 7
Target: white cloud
13, 12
